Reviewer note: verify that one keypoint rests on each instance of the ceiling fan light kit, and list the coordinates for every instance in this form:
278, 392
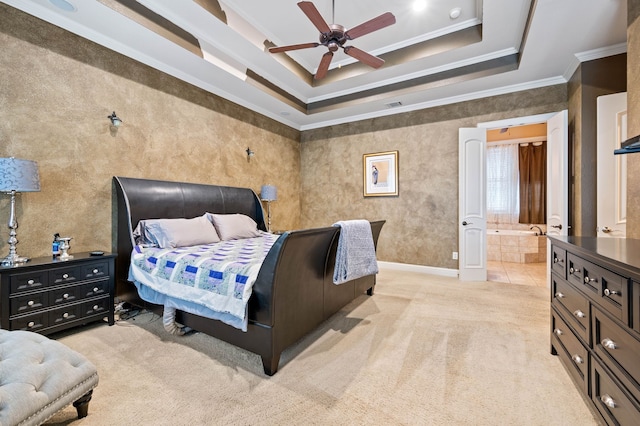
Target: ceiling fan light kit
334, 37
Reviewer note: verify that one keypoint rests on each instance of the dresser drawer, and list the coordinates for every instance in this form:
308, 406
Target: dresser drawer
95, 270
69, 294
65, 314
33, 322
66, 275
615, 405
28, 281
29, 302
98, 288
618, 350
96, 306
573, 305
559, 261
571, 352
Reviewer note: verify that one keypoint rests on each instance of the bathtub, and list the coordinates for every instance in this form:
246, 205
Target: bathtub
517, 246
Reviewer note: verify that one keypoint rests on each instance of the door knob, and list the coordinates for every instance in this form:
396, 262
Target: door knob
606, 229
465, 223
557, 226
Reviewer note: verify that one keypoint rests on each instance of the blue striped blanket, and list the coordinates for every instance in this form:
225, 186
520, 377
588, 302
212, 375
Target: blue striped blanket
218, 277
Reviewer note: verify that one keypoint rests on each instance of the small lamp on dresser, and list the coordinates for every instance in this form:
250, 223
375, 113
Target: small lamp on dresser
268, 193
17, 176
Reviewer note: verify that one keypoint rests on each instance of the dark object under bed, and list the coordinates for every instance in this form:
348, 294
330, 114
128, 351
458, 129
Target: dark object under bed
294, 290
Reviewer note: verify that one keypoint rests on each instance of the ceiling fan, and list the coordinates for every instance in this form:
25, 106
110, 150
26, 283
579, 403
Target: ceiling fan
334, 36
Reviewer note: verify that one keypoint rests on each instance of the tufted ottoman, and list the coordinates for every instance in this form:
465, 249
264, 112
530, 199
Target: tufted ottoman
39, 377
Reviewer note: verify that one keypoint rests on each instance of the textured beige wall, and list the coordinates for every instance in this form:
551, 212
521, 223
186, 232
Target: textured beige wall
422, 222
56, 91
633, 117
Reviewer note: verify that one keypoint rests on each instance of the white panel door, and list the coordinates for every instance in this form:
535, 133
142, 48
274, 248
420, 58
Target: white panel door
612, 169
472, 204
557, 175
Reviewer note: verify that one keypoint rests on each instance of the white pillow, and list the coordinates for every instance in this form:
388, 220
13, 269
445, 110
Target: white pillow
171, 233
234, 226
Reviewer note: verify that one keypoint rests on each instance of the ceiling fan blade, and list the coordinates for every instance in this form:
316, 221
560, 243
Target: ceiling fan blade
324, 65
314, 16
370, 26
364, 57
292, 47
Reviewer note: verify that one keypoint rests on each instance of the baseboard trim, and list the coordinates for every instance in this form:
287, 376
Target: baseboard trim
431, 270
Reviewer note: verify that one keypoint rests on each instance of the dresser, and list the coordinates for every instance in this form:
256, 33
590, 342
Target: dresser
595, 321
47, 295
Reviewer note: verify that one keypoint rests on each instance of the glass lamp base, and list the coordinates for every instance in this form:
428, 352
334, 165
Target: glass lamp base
12, 260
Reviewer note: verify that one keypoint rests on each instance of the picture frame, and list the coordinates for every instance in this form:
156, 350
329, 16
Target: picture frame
380, 174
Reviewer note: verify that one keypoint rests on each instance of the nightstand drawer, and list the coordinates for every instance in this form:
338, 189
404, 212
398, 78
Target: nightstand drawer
65, 314
33, 322
28, 281
65, 295
573, 305
29, 302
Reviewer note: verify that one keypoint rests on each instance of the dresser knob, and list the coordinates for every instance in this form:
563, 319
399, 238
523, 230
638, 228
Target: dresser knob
65, 315
609, 344
30, 302
579, 314
608, 292
65, 276
65, 296
588, 280
95, 271
555, 260
577, 359
557, 332
560, 295
608, 401
573, 270
95, 307
31, 282
95, 289
31, 324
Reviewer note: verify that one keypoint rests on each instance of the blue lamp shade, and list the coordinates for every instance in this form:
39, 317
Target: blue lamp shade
19, 175
268, 193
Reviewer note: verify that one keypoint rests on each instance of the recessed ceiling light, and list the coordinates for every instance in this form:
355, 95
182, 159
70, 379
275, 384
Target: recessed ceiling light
419, 5
64, 5
455, 13
284, 113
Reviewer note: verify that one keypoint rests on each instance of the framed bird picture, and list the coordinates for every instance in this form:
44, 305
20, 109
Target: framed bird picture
380, 172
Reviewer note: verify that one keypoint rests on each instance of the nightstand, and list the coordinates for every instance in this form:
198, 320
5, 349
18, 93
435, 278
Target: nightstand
47, 295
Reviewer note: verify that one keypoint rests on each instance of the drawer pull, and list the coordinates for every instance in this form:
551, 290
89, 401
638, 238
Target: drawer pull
95, 289
95, 271
30, 302
556, 260
577, 359
65, 276
560, 295
588, 280
579, 314
31, 282
608, 401
31, 324
608, 292
557, 332
573, 270
65, 315
65, 296
609, 344
95, 307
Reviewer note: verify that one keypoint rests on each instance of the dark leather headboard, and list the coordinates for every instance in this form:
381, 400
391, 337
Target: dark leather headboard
138, 199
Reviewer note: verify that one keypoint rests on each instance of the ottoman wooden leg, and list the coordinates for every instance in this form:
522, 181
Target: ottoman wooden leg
82, 404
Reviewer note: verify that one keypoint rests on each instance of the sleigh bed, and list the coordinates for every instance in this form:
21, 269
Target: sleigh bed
293, 291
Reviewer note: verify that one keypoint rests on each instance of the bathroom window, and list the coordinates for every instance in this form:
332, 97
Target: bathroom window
502, 184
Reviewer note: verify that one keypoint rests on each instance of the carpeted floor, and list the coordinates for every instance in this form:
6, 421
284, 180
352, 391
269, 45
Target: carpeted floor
424, 350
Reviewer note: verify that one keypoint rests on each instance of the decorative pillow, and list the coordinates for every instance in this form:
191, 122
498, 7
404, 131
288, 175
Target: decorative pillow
171, 233
234, 226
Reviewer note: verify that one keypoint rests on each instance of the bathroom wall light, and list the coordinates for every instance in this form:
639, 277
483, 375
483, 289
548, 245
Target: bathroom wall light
115, 120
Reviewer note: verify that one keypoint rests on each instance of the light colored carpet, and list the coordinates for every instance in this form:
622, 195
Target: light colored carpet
424, 350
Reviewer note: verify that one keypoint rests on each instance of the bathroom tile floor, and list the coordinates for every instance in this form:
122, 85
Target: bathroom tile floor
532, 274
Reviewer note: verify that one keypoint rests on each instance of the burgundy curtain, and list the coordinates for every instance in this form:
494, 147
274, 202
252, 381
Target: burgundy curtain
533, 183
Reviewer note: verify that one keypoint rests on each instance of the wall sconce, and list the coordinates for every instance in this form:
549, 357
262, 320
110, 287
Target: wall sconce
115, 120
250, 154
17, 176
268, 193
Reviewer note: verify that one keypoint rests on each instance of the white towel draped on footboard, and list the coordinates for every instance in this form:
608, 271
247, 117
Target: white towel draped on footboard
356, 254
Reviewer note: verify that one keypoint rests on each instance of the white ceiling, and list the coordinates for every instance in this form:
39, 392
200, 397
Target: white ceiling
522, 44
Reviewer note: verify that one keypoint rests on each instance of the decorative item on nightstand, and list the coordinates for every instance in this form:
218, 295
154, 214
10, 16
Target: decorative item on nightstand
17, 176
268, 193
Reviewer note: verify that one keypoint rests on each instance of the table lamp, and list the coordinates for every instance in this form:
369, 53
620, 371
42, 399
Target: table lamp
268, 193
17, 176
